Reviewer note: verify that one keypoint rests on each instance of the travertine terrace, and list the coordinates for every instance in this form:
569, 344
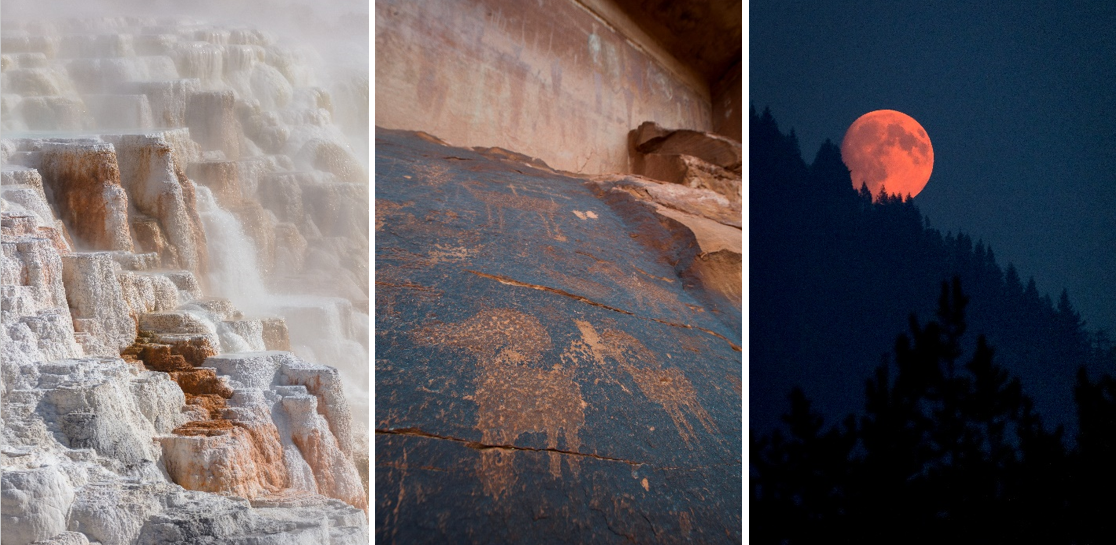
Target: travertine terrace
185, 288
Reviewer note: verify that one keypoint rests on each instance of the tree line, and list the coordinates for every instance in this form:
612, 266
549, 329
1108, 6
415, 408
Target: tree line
1006, 436
834, 274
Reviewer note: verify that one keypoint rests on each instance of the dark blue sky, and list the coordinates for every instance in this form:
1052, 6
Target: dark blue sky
1019, 102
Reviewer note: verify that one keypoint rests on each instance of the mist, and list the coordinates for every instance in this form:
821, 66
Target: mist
275, 98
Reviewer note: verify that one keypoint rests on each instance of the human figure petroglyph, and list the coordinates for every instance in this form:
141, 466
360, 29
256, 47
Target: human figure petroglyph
545, 208
668, 387
513, 396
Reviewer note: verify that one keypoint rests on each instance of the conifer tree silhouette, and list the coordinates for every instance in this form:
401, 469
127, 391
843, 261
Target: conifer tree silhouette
949, 449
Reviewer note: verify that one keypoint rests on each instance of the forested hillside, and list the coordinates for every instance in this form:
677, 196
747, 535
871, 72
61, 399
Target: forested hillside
834, 277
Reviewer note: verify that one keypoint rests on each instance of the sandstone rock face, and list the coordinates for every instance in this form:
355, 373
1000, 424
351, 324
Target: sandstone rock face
147, 385
691, 158
550, 361
698, 229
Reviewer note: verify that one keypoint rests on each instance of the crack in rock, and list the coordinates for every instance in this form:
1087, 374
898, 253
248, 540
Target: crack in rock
477, 445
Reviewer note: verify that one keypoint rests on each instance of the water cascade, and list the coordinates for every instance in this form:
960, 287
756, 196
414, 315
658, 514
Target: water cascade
185, 285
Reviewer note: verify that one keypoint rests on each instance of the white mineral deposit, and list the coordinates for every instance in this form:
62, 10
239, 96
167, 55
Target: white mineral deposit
185, 301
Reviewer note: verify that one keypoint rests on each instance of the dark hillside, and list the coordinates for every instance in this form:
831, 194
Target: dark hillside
835, 276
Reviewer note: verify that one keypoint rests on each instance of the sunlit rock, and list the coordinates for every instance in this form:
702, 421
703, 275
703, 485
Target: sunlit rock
698, 231
96, 409
718, 150
692, 172
37, 323
24, 187
244, 335
334, 472
691, 158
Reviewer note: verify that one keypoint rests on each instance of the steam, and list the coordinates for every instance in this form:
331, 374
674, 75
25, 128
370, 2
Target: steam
322, 329
233, 272
298, 71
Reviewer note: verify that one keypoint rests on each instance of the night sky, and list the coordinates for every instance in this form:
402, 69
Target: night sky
1019, 102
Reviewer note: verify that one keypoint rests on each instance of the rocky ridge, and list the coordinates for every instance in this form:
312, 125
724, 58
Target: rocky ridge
184, 299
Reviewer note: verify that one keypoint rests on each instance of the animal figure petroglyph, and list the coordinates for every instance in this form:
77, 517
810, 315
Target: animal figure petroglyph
513, 396
668, 387
545, 208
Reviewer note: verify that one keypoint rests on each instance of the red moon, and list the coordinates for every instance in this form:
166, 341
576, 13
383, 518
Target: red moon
888, 149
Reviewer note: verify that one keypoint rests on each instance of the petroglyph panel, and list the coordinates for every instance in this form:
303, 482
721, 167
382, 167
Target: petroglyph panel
500, 201
513, 395
530, 387
668, 387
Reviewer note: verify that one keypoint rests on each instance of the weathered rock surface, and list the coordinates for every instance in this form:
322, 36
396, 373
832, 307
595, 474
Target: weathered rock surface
270, 428
42, 495
546, 367
681, 214
125, 418
690, 158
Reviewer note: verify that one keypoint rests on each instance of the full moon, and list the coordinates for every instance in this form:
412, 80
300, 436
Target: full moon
888, 149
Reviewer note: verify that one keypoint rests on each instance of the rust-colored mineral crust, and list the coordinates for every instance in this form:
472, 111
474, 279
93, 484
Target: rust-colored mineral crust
154, 175
85, 180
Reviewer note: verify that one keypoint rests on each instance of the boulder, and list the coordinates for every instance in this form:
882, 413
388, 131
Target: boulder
711, 148
690, 171
691, 158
